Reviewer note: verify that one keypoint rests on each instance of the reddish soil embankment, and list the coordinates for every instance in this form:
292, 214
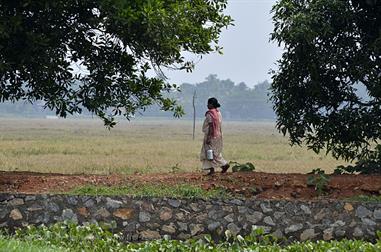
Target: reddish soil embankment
263, 185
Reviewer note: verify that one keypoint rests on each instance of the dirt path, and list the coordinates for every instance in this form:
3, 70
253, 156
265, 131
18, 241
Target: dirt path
263, 185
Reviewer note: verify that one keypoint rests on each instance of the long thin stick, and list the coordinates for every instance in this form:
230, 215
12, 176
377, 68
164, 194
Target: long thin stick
194, 113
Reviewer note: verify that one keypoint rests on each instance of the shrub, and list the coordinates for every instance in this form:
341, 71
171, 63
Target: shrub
237, 167
319, 180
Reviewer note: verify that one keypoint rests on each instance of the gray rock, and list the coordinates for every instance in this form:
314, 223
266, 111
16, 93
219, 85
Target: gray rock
144, 216
237, 202
310, 225
182, 226
46, 218
368, 222
293, 228
201, 217
269, 221
103, 212
130, 228
153, 225
255, 217
170, 229
278, 234
6, 197
53, 207
326, 222
234, 229
84, 198
68, 214
194, 207
16, 214
227, 209
362, 212
278, 215
183, 236
328, 234
150, 235
98, 199
165, 214
3, 213
135, 237
377, 214
229, 218
72, 200
111, 203
305, 209
370, 231
180, 216
89, 203
215, 215
320, 215
308, 234
35, 207
265, 209
338, 223
196, 229
147, 206
212, 214
174, 203
208, 206
242, 209
340, 233
30, 198
358, 232
213, 226
16, 202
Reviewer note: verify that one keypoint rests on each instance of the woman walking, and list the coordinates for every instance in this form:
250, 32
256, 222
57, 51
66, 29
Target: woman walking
211, 151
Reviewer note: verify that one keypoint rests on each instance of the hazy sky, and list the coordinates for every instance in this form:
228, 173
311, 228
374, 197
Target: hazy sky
248, 54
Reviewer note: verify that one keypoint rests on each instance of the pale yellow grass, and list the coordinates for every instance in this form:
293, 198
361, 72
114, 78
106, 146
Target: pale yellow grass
86, 146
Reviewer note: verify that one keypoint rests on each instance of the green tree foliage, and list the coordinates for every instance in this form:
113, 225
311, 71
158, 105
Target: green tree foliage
331, 48
115, 42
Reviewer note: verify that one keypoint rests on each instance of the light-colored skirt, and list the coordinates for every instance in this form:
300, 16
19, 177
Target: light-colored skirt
216, 145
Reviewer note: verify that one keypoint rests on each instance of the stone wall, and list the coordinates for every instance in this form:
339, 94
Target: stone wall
151, 218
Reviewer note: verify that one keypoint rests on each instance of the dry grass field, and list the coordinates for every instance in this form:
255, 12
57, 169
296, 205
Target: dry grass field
85, 146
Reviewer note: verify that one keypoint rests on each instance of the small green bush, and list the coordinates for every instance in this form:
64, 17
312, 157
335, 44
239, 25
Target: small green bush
237, 167
319, 180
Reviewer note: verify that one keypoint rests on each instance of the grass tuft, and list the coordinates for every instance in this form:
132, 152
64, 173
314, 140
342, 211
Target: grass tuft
366, 198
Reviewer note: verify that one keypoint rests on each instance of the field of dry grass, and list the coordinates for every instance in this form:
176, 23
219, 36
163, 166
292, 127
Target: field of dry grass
85, 146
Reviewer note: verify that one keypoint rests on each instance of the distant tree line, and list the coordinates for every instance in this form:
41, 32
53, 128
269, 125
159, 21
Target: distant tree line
239, 102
